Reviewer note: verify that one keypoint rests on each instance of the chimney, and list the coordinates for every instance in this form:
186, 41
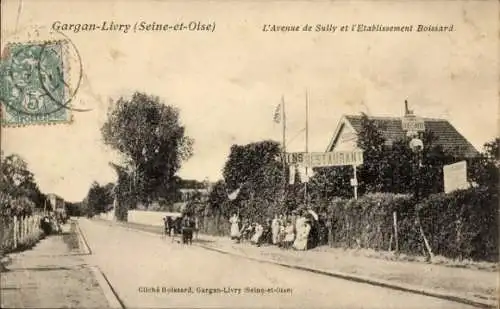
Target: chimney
407, 111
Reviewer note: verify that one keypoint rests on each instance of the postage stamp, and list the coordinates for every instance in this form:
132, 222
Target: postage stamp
33, 84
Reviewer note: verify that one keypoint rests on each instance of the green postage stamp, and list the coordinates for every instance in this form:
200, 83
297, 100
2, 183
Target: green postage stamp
33, 84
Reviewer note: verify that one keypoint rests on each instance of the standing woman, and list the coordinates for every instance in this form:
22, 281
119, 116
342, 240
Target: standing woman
275, 229
196, 226
289, 234
303, 230
235, 228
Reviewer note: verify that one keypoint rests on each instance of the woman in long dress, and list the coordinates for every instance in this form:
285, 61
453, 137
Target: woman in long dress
300, 242
289, 234
235, 228
275, 229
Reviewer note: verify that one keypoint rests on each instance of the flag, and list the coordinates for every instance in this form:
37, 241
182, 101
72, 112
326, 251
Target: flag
233, 195
292, 175
277, 114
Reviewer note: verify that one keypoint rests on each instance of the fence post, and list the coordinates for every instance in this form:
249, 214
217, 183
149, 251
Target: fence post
23, 230
28, 228
25, 223
395, 217
15, 232
2, 235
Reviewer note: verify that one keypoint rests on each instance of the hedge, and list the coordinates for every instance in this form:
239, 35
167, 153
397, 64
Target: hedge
368, 222
463, 224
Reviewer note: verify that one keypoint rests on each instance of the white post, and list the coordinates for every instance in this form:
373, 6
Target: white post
20, 230
30, 227
15, 232
24, 231
23, 227
355, 183
395, 217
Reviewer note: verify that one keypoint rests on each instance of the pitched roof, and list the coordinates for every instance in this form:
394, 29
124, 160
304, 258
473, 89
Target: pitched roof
446, 134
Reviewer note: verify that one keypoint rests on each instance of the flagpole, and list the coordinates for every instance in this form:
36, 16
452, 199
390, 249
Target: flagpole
284, 123
307, 148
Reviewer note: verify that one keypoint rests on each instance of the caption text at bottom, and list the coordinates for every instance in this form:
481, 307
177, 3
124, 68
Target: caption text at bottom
212, 291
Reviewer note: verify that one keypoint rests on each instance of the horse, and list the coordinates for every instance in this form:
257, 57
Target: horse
173, 227
188, 226
183, 226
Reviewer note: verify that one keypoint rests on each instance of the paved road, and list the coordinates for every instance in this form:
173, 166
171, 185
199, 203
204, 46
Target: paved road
136, 263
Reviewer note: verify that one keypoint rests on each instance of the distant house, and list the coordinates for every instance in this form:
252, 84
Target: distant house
56, 202
345, 135
190, 194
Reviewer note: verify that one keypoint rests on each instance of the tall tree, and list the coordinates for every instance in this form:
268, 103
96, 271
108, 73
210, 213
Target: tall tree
371, 142
247, 162
17, 182
152, 141
217, 198
97, 198
123, 193
485, 169
329, 182
254, 169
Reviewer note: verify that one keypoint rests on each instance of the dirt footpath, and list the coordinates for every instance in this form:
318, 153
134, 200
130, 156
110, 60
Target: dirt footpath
53, 274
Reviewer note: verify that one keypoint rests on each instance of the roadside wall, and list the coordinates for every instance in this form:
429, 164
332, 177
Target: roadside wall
148, 217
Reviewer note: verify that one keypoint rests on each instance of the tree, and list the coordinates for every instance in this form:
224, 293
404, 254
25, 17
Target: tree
99, 197
330, 182
217, 198
485, 169
152, 141
371, 142
123, 193
253, 168
18, 186
247, 161
75, 209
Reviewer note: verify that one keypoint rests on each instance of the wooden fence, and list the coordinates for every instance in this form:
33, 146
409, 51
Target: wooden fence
18, 232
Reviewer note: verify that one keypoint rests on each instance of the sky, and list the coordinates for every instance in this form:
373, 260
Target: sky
227, 83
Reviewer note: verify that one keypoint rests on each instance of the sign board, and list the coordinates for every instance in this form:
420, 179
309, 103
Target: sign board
295, 158
354, 182
321, 159
455, 176
413, 124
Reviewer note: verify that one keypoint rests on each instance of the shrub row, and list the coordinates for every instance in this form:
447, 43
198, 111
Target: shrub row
463, 224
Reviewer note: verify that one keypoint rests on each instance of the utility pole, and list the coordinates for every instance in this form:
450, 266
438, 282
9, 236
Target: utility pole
307, 149
283, 146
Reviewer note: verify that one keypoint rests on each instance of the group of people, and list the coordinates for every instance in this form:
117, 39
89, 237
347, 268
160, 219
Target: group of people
297, 230
51, 223
185, 225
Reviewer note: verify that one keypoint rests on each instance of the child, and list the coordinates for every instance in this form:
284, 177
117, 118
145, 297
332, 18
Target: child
246, 230
256, 238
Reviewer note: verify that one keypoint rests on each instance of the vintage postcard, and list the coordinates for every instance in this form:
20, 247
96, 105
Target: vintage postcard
249, 154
